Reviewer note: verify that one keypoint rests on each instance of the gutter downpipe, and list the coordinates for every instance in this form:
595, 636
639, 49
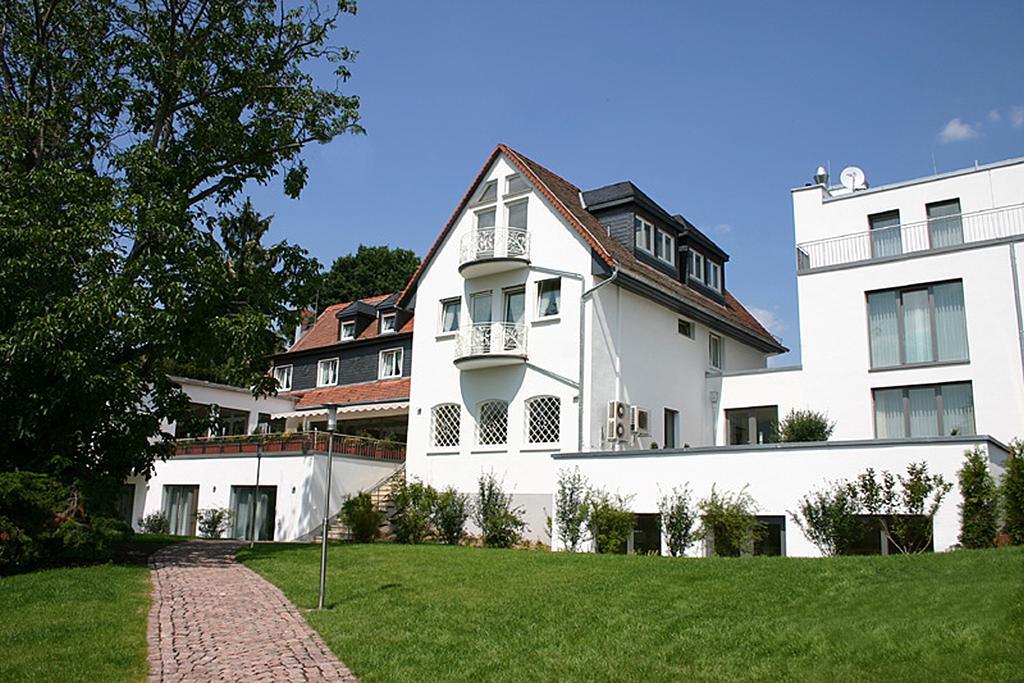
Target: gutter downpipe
587, 294
1016, 301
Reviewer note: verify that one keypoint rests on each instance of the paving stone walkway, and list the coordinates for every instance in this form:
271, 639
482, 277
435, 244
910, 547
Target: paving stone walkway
213, 619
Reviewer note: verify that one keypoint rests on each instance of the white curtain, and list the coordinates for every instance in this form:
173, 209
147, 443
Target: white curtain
917, 329
950, 322
945, 226
889, 414
924, 414
179, 506
242, 512
886, 239
885, 343
958, 409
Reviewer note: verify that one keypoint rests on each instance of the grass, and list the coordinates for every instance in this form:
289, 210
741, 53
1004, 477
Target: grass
79, 623
414, 613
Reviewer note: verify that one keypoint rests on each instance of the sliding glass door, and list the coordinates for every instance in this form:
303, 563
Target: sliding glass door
179, 505
242, 498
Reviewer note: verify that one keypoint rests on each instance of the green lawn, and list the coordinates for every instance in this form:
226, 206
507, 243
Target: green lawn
431, 613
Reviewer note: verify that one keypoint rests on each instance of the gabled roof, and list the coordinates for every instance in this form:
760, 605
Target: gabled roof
350, 394
565, 198
324, 331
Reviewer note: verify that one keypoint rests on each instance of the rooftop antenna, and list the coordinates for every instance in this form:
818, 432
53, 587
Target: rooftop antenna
935, 168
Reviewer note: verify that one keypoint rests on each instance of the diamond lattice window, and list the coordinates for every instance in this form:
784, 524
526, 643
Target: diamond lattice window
543, 419
444, 425
492, 427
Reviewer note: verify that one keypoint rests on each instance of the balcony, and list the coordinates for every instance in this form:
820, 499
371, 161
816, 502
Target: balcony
490, 345
298, 443
485, 251
936, 235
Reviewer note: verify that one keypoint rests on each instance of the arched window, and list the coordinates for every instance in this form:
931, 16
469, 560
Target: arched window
543, 419
445, 421
492, 425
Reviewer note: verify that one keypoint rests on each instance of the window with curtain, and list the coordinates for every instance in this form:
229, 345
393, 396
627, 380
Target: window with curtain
917, 325
450, 310
179, 506
945, 228
926, 410
643, 235
549, 297
886, 239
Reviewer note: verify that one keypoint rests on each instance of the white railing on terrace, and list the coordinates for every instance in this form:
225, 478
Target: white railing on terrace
490, 243
908, 238
491, 339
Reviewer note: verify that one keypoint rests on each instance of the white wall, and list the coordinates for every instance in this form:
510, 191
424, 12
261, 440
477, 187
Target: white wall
777, 477
208, 393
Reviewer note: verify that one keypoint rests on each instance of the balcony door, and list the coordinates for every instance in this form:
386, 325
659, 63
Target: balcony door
515, 315
480, 313
945, 228
180, 508
886, 239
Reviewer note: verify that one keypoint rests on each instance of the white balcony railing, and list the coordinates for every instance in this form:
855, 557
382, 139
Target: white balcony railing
935, 234
483, 244
498, 340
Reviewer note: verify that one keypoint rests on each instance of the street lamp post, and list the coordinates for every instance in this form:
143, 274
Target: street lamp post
332, 423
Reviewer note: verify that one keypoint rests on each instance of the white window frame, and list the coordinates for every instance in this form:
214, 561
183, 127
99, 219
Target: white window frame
450, 440
480, 212
645, 227
530, 415
483, 438
668, 246
712, 338
508, 185
552, 316
712, 275
483, 190
440, 320
350, 324
394, 324
525, 202
695, 269
283, 386
319, 373
380, 362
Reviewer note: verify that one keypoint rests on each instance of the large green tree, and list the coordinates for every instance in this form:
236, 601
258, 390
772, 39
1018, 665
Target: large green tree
369, 271
128, 132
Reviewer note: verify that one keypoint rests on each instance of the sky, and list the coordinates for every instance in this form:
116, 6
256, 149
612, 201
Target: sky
715, 110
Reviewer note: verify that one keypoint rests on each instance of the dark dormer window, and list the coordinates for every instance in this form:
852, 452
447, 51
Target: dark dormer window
348, 330
644, 235
696, 267
705, 271
665, 247
388, 323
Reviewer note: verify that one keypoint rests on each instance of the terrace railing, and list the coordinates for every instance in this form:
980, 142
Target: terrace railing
491, 339
494, 243
936, 234
295, 442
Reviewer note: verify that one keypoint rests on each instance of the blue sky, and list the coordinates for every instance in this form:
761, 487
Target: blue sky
714, 110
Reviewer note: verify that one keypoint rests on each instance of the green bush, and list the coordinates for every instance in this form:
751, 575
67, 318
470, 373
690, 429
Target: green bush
1012, 491
805, 425
979, 506
451, 510
501, 525
571, 507
678, 516
18, 551
609, 520
728, 523
414, 507
213, 522
361, 517
830, 518
904, 506
155, 523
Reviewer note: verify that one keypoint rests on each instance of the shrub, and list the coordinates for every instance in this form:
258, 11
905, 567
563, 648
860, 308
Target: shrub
678, 516
571, 507
979, 504
414, 506
361, 517
213, 522
501, 525
728, 523
451, 510
18, 551
830, 518
1013, 493
905, 506
78, 543
609, 520
805, 425
155, 523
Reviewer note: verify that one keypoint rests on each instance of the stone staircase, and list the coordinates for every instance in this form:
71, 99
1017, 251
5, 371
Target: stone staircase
380, 494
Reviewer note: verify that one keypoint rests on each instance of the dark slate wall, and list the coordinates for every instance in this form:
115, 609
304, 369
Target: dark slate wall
358, 362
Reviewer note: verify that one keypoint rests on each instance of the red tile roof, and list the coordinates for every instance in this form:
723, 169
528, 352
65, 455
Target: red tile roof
348, 394
324, 331
565, 198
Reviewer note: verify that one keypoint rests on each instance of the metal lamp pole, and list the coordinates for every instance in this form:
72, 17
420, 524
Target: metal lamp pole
332, 423
256, 493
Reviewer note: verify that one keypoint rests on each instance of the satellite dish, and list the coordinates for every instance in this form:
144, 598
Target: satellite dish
853, 178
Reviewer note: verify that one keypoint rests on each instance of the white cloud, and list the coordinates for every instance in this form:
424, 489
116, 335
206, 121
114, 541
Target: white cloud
723, 228
956, 130
1017, 117
770, 319
994, 116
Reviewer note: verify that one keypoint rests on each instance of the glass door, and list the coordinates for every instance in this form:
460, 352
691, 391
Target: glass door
242, 498
885, 234
180, 509
515, 315
945, 228
480, 313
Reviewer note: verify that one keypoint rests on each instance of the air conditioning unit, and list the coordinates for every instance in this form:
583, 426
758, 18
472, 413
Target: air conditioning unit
640, 421
617, 413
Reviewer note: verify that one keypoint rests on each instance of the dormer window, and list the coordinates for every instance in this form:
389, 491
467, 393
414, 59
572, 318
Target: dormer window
696, 268
705, 271
489, 193
713, 276
388, 323
644, 235
514, 184
348, 330
665, 247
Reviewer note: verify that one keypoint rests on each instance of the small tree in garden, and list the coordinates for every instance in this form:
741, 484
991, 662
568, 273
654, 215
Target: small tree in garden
1013, 494
678, 515
500, 524
904, 505
805, 425
571, 507
414, 507
609, 520
155, 523
451, 510
728, 522
829, 518
213, 522
979, 505
361, 517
